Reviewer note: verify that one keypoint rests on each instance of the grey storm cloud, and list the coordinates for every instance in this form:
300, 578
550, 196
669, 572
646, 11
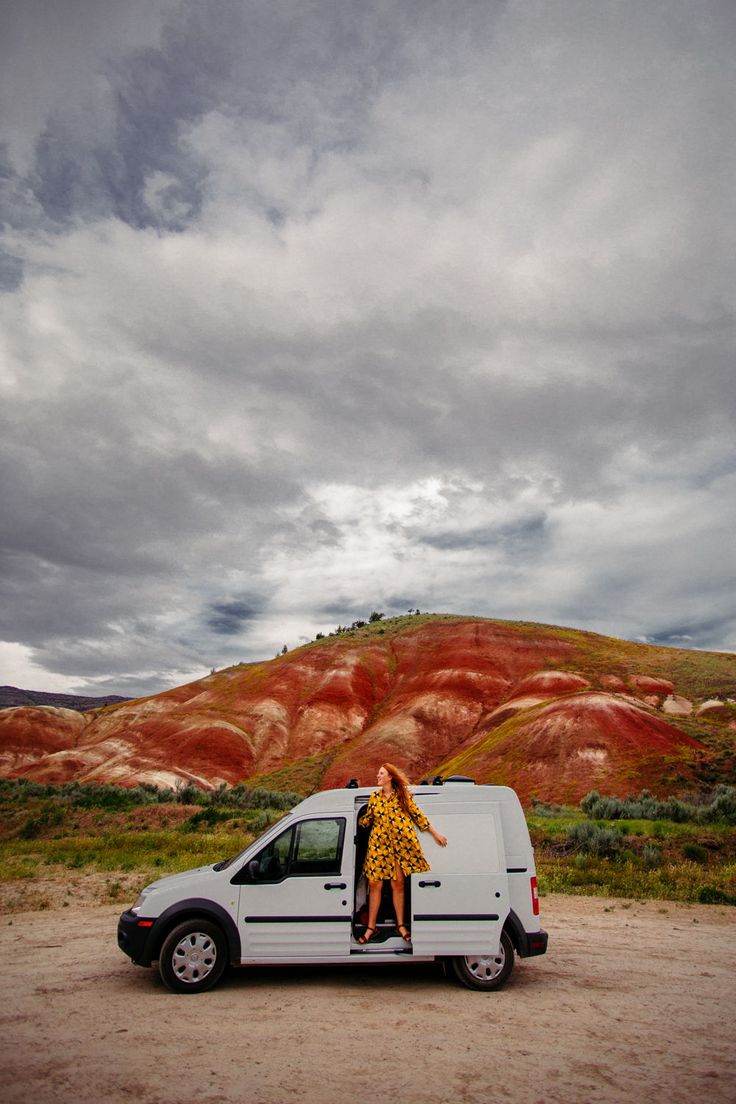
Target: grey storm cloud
310, 309
244, 58
230, 618
520, 536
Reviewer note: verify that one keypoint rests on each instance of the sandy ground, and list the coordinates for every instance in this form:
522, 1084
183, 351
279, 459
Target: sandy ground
632, 1002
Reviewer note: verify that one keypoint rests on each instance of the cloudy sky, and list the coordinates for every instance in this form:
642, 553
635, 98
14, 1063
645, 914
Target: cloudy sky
316, 307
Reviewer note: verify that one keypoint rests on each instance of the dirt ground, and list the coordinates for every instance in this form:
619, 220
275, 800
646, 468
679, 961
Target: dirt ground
632, 1002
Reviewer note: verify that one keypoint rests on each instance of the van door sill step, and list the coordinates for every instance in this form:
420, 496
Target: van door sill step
381, 951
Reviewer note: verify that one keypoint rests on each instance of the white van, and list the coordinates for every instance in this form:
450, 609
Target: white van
297, 895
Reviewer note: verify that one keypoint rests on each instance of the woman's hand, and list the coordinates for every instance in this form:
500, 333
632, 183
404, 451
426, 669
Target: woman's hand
437, 837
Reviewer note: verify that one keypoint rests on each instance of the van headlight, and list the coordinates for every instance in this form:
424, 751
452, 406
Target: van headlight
139, 901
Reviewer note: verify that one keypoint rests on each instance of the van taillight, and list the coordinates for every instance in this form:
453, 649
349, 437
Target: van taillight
535, 897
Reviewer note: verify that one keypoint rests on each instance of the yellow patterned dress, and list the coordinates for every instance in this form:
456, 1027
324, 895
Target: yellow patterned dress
393, 838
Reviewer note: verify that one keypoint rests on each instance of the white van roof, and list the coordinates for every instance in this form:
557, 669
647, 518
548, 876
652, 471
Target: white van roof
332, 801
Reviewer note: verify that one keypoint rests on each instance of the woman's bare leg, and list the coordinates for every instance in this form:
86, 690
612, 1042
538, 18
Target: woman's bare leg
374, 902
397, 890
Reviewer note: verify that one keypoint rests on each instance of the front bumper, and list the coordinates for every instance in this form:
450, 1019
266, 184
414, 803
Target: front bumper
134, 937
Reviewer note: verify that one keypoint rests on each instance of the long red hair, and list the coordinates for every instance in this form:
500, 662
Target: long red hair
400, 785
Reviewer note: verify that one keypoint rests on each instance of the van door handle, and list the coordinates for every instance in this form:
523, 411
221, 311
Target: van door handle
425, 885
335, 885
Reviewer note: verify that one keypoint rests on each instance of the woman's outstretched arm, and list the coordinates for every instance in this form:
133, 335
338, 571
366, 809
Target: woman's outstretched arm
437, 837
422, 823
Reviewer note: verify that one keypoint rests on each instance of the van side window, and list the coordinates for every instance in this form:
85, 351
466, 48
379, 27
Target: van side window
318, 846
272, 863
309, 847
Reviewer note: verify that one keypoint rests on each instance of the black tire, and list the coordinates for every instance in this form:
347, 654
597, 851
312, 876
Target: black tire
193, 957
485, 972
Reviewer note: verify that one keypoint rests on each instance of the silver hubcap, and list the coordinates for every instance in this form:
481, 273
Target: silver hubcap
194, 957
486, 967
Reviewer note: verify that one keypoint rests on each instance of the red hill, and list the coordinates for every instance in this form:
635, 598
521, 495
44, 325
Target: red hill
553, 712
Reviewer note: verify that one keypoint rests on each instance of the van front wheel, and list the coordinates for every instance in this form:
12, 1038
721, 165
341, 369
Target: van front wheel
193, 957
485, 971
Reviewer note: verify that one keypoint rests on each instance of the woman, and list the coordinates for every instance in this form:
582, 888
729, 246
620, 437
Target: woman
393, 848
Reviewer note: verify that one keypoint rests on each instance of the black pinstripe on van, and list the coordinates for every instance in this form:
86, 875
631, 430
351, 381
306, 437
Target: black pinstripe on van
298, 919
455, 916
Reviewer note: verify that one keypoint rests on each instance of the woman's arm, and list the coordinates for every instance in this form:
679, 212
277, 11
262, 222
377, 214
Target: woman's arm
369, 815
441, 840
422, 823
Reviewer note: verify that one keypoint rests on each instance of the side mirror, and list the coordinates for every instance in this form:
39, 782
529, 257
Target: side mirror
254, 869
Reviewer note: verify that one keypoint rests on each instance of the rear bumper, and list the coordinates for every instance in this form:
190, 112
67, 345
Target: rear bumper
527, 943
534, 943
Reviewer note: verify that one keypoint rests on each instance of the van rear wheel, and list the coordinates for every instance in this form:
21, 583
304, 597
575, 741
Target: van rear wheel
485, 972
193, 957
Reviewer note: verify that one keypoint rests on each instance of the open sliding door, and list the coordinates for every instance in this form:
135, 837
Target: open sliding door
459, 907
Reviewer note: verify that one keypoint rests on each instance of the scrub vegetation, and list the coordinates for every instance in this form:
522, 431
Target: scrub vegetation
107, 828
639, 847
636, 847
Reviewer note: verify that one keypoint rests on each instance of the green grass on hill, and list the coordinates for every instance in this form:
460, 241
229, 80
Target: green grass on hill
302, 776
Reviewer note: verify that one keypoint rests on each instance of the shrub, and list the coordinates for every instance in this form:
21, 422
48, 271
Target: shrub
651, 855
695, 852
205, 817
49, 817
592, 840
721, 807
188, 794
31, 828
263, 820
709, 895
546, 808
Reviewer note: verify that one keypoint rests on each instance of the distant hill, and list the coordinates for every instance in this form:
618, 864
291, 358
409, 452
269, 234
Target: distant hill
553, 712
11, 696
